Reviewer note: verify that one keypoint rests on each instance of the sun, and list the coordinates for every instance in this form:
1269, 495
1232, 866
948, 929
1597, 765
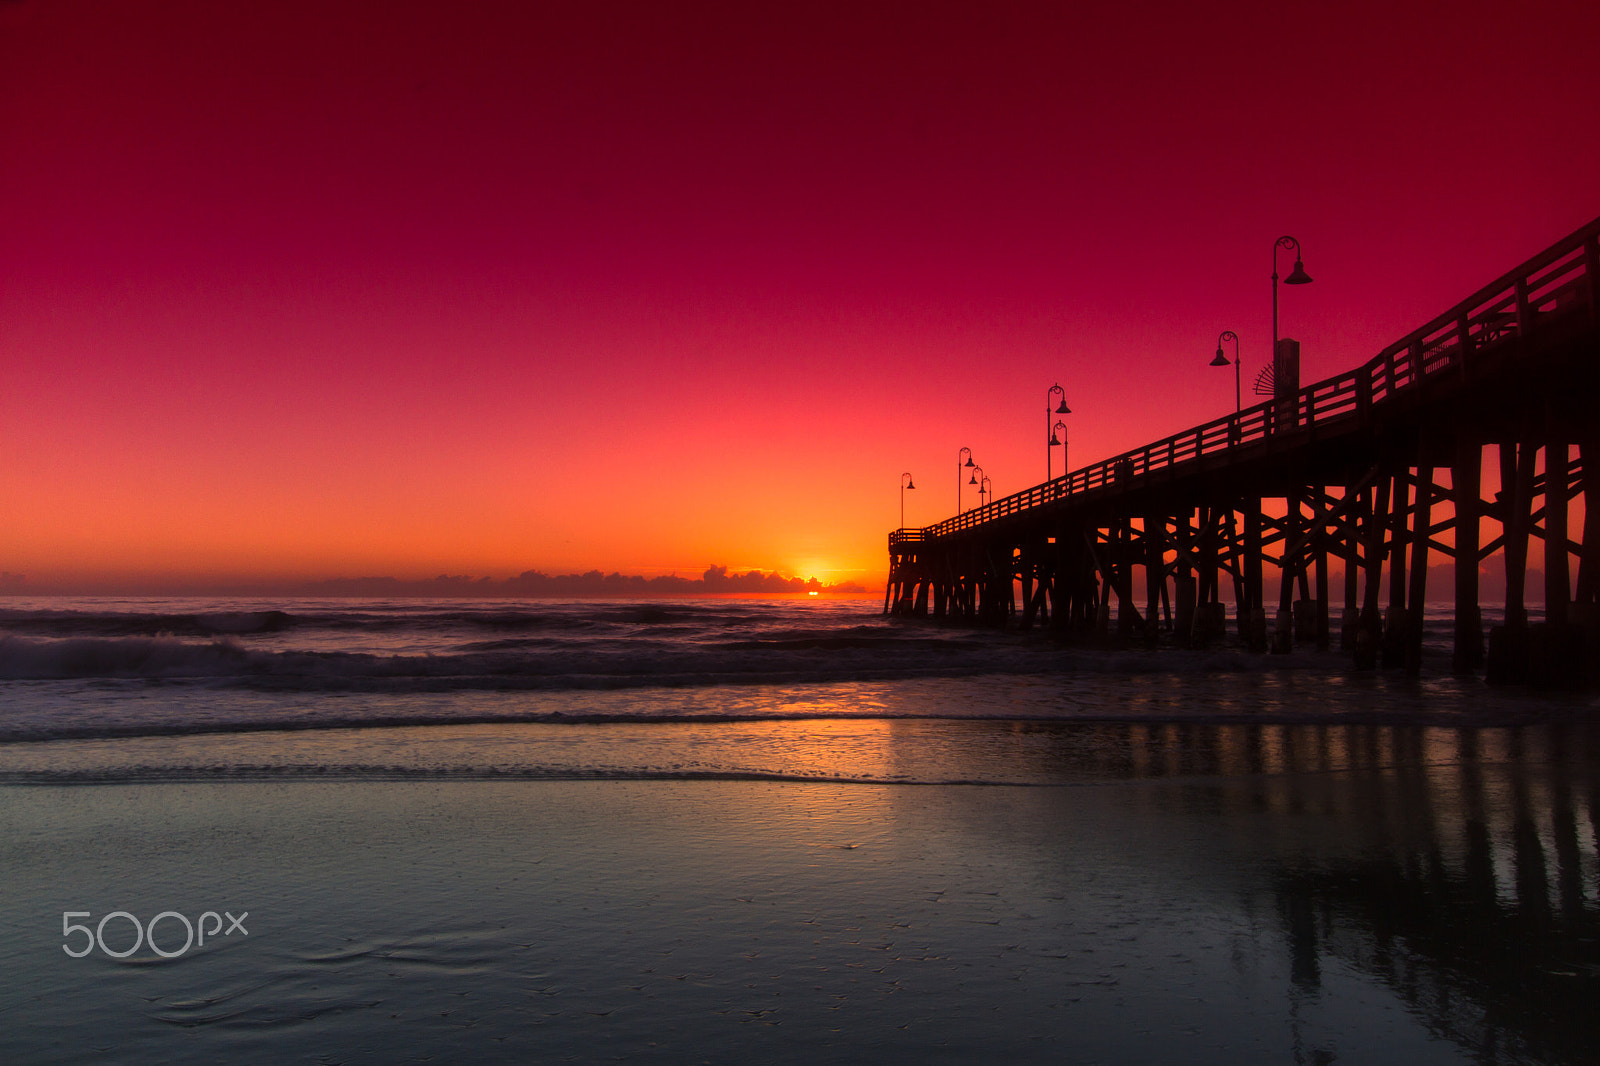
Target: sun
806, 569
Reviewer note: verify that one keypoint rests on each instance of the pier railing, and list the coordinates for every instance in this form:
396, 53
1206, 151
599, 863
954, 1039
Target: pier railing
1563, 279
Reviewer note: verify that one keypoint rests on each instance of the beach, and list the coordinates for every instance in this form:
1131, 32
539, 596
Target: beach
1250, 861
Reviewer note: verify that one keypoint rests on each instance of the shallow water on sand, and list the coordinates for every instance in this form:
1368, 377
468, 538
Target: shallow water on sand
1415, 895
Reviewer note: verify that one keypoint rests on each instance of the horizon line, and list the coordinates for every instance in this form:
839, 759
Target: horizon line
714, 580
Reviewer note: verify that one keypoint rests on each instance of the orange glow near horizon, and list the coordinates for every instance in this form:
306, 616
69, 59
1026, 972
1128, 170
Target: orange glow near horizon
508, 288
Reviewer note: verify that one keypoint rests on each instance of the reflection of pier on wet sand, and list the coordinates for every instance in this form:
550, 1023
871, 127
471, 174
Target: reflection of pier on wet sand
1456, 867
1346, 470
1481, 913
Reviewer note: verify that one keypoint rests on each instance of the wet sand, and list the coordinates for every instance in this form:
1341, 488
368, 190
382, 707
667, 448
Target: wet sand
1432, 901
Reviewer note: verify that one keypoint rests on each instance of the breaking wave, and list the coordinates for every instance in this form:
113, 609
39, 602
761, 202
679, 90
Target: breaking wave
509, 664
82, 668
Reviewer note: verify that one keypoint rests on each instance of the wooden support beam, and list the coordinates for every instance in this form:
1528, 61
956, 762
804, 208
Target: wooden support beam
1127, 615
1466, 478
1421, 523
1369, 631
1350, 532
1289, 567
1185, 562
1102, 587
1509, 649
1321, 520
1516, 470
1557, 574
1206, 623
1235, 563
1252, 614
1394, 623
1030, 606
1400, 502
1589, 558
1155, 577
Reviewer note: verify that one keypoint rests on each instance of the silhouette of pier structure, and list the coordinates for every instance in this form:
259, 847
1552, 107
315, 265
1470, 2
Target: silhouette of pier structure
1346, 470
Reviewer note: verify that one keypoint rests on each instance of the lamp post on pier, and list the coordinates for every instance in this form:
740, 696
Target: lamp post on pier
985, 489
905, 483
1049, 412
1222, 360
959, 464
1062, 426
1297, 276
1285, 378
977, 479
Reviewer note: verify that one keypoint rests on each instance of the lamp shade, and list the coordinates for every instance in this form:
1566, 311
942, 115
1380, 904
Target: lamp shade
1298, 275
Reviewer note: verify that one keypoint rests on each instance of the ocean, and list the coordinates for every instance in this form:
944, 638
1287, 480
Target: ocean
772, 830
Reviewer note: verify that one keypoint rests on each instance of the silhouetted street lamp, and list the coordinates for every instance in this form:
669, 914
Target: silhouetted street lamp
977, 479
1222, 360
985, 490
1297, 276
905, 483
959, 464
1062, 426
1061, 409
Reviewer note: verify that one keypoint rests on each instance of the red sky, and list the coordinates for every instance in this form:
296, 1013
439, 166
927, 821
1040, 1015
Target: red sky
306, 289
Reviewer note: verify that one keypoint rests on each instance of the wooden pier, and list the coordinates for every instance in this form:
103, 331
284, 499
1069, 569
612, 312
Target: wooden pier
1378, 469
